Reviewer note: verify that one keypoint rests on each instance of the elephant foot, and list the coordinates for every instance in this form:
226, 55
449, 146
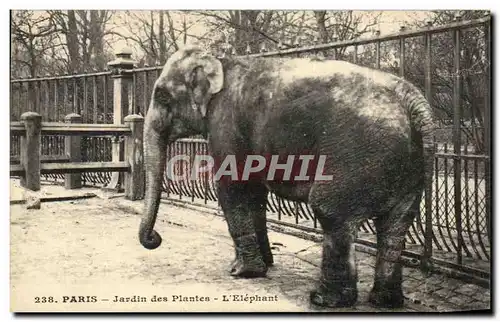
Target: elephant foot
268, 259
346, 297
248, 270
384, 298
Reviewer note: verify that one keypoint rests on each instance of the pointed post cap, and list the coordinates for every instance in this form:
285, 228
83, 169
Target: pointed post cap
123, 59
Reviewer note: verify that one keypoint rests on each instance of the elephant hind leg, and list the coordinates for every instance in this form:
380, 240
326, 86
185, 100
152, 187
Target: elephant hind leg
391, 231
257, 209
338, 281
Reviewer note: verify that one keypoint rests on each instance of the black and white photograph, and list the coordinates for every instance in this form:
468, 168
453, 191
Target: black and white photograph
290, 161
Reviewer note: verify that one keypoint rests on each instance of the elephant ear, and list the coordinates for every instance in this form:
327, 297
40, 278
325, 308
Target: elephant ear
205, 76
215, 74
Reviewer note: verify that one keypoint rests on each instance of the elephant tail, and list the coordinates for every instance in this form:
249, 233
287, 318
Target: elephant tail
422, 123
418, 108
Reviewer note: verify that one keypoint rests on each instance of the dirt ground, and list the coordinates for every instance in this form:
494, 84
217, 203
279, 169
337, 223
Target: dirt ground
83, 255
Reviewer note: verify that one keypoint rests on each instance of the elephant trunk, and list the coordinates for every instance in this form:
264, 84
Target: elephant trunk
154, 157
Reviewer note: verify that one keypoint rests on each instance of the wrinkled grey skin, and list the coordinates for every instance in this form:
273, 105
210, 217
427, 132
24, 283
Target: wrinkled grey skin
369, 124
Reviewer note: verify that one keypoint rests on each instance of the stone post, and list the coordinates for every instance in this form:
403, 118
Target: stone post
134, 155
121, 69
72, 149
30, 150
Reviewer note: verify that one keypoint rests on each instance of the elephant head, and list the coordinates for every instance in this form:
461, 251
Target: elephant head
178, 108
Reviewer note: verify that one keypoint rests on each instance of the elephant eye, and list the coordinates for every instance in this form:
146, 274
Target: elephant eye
162, 96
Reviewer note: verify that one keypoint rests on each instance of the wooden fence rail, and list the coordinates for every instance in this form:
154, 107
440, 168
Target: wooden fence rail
31, 164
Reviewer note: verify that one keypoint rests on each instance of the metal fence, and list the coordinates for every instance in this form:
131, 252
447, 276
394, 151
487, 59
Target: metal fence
457, 236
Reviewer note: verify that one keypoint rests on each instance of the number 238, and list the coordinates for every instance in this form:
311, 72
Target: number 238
44, 299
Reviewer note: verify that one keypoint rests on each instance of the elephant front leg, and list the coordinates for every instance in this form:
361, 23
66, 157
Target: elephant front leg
337, 287
234, 200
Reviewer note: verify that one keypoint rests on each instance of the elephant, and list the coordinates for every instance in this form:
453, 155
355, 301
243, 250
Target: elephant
373, 128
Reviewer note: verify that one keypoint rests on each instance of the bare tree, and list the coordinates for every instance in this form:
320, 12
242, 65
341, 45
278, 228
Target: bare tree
473, 76
253, 28
156, 33
82, 33
344, 25
32, 41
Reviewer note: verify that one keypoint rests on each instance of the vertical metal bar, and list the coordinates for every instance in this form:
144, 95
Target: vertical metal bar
75, 97
134, 93
105, 99
37, 96
457, 117
436, 186
377, 54
428, 189
30, 101
94, 99
66, 98
466, 199
11, 99
279, 206
487, 128
47, 104
26, 104
402, 57
192, 156
179, 167
85, 107
476, 193
166, 175
203, 149
296, 212
19, 101
447, 201
56, 100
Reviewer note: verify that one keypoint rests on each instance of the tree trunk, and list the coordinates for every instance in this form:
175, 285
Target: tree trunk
321, 25
162, 39
72, 40
97, 38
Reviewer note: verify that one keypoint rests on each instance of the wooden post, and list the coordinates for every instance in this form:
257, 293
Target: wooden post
30, 150
122, 81
134, 154
72, 149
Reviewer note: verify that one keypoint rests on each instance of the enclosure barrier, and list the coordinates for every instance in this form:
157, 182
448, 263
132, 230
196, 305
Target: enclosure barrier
30, 167
455, 233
